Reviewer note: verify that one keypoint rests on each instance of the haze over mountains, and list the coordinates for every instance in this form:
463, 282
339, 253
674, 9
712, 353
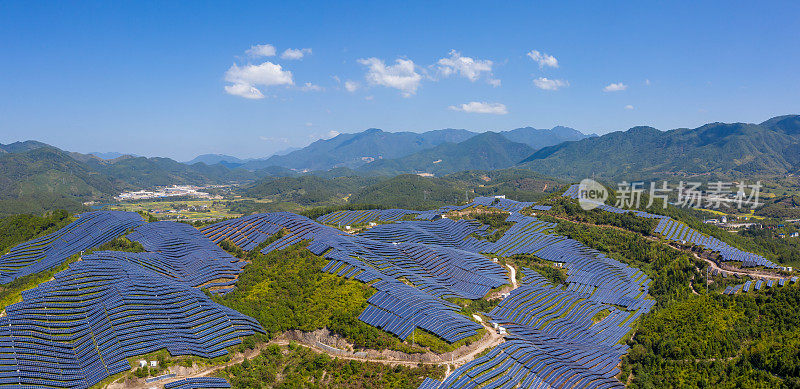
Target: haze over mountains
355, 150
33, 174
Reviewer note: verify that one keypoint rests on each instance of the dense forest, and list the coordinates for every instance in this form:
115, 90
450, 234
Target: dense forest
411, 192
21, 228
747, 340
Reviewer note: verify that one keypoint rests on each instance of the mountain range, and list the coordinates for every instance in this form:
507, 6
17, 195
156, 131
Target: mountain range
487, 151
359, 149
35, 176
722, 149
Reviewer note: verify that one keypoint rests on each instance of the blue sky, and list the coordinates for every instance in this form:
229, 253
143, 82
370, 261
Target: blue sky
177, 80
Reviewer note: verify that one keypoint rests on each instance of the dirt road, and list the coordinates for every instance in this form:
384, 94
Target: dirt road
456, 358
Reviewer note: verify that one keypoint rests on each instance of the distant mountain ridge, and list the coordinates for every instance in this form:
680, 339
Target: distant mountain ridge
19, 147
725, 149
35, 176
353, 150
486, 151
539, 138
358, 149
213, 159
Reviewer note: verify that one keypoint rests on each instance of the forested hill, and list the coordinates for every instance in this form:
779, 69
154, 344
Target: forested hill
354, 150
45, 178
487, 151
726, 149
35, 177
539, 138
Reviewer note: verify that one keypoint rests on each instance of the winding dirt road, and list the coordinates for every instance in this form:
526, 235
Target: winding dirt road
455, 358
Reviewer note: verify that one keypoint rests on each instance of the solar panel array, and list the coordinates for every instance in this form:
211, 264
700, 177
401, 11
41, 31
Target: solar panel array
442, 232
198, 383
345, 218
679, 232
90, 230
501, 203
758, 285
553, 341
79, 328
348, 217
435, 271
415, 264
184, 253
533, 362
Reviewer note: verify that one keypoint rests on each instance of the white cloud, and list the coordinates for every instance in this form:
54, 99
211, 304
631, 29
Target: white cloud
309, 124
466, 67
265, 74
311, 87
615, 87
494, 82
629, 107
295, 53
543, 59
481, 107
647, 82
351, 86
548, 84
261, 51
402, 75
369, 98
246, 78
244, 90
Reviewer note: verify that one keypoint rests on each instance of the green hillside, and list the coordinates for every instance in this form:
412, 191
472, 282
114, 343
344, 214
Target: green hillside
141, 172
731, 150
352, 150
35, 177
411, 192
46, 178
308, 190
487, 151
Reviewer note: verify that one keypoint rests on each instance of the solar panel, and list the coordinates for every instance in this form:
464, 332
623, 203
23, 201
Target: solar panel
90, 230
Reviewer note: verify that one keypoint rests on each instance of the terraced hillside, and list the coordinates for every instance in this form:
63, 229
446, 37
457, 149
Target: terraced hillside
90, 230
442, 258
81, 327
111, 306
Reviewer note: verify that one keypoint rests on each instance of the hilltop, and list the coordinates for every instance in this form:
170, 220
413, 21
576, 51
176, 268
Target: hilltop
360, 149
487, 151
724, 149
